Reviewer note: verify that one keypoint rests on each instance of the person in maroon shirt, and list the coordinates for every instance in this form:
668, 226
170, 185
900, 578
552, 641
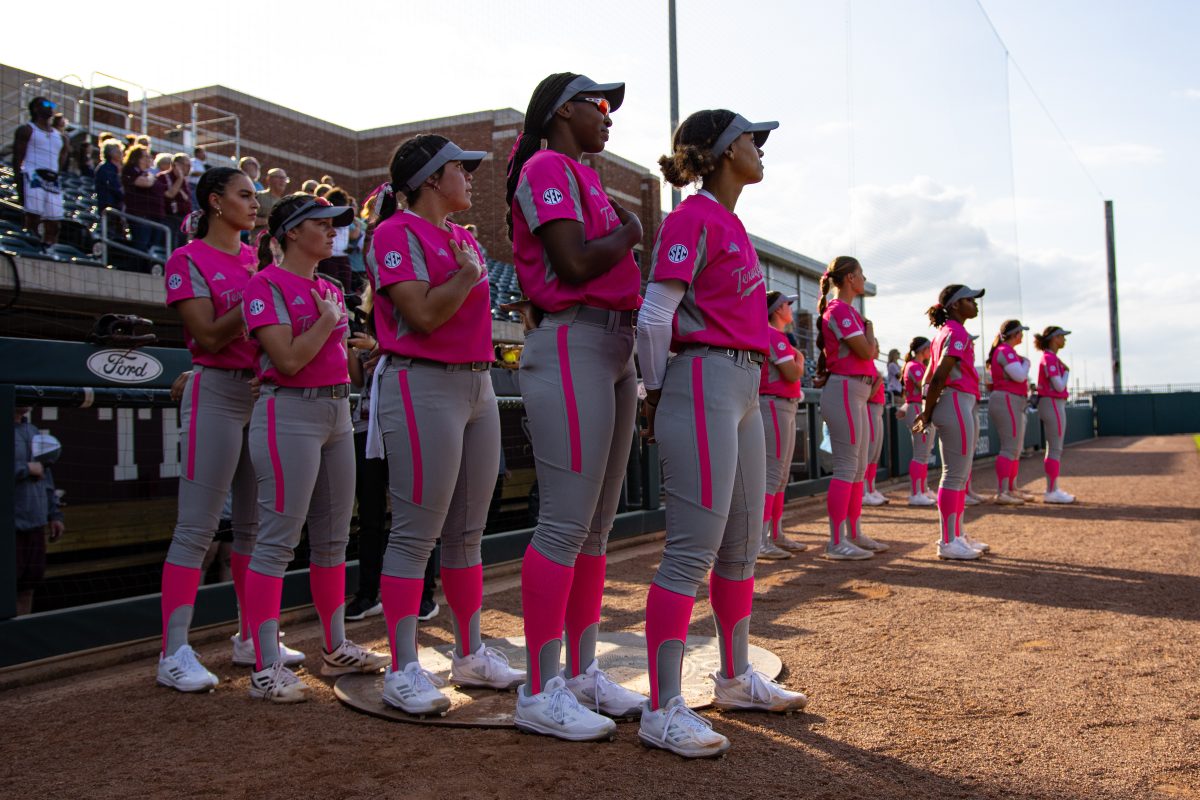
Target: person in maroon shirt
177, 200
143, 197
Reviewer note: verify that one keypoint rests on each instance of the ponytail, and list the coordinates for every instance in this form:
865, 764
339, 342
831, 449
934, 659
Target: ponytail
1001, 338
265, 257
213, 181
918, 343
1042, 340
938, 313
279, 214
529, 140
835, 275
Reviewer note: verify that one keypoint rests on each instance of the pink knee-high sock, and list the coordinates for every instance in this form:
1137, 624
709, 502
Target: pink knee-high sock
967, 488
768, 506
731, 603
854, 510
914, 477
1003, 468
179, 586
264, 593
401, 598
960, 506
947, 505
238, 564
837, 503
328, 586
464, 593
869, 477
583, 611
1014, 469
1052, 466
924, 478
545, 586
777, 515
667, 616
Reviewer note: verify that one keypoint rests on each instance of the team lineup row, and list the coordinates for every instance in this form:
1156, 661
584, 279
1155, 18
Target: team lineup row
721, 380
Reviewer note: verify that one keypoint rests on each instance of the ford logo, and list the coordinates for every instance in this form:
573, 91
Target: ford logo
124, 366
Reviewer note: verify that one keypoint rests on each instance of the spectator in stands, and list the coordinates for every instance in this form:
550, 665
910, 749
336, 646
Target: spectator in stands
143, 197
199, 167
337, 266
177, 200
277, 184
40, 154
474, 231
323, 189
328, 180
309, 186
35, 505
144, 141
85, 158
358, 238
162, 163
131, 140
250, 166
109, 193
59, 123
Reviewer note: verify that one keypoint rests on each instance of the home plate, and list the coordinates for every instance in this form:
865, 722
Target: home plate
621, 655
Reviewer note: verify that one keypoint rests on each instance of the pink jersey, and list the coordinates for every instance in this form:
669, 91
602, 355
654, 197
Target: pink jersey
771, 382
1051, 367
878, 395
278, 297
1001, 357
200, 270
552, 187
914, 374
842, 322
704, 245
406, 247
953, 340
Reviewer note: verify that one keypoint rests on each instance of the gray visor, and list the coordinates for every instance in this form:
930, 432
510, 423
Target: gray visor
737, 127
963, 294
615, 92
1012, 330
317, 208
449, 152
780, 301
1057, 332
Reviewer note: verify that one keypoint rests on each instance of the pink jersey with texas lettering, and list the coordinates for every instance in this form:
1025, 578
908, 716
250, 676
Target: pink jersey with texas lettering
406, 247
953, 340
878, 395
1002, 356
198, 270
1051, 367
914, 374
843, 322
781, 351
275, 296
553, 187
705, 245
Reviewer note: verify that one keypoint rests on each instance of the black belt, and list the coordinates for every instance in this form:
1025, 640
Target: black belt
468, 366
596, 316
243, 374
338, 391
753, 356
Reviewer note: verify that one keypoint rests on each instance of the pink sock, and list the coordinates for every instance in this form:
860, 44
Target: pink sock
1052, 466
1014, 469
967, 488
1003, 467
731, 603
583, 611
777, 515
768, 507
545, 586
837, 503
328, 586
464, 593
401, 598
947, 504
869, 477
667, 618
179, 586
914, 478
854, 511
264, 593
961, 506
238, 564
924, 478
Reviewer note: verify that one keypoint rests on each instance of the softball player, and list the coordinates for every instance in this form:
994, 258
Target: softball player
875, 403
706, 301
573, 251
1052, 406
952, 373
915, 364
845, 343
205, 280
1009, 374
779, 396
301, 441
436, 414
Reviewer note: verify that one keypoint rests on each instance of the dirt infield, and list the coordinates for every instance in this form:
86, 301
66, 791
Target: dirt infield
1064, 665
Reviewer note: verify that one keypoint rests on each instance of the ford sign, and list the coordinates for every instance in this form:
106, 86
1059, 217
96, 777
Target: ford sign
124, 366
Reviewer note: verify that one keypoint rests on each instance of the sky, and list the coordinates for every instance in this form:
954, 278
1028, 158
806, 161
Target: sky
909, 135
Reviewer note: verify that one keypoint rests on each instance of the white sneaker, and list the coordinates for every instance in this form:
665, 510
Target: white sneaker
785, 542
555, 712
278, 684
1006, 499
972, 499
679, 729
867, 543
486, 668
931, 494
244, 655
754, 691
183, 671
1021, 493
874, 499
846, 551
1058, 496
414, 690
598, 692
921, 500
349, 657
975, 544
957, 550
769, 551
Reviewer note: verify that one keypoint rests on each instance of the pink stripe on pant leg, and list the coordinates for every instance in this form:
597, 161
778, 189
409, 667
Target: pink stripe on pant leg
328, 586
731, 602
584, 604
846, 406
414, 439
667, 616
1012, 417
192, 424
401, 597
564, 372
179, 586
701, 432
545, 587
273, 450
962, 426
1057, 417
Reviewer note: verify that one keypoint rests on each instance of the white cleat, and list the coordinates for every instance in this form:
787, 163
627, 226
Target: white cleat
785, 542
972, 499
754, 691
769, 551
1006, 499
921, 500
244, 655
486, 668
1058, 496
975, 544
555, 712
931, 494
414, 690
349, 657
278, 684
957, 550
680, 730
867, 543
846, 551
183, 671
874, 499
602, 694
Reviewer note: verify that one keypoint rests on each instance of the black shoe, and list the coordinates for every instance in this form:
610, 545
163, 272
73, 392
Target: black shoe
429, 609
361, 609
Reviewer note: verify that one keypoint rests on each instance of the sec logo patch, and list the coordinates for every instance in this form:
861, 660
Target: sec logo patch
958, 345
782, 346
677, 253
392, 259
175, 281
552, 196
846, 323
257, 307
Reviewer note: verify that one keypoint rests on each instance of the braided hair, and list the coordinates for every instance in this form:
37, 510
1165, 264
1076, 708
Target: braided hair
938, 313
282, 210
529, 140
213, 181
691, 157
835, 274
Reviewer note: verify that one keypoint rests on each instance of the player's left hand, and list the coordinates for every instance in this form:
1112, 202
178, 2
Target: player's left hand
57, 528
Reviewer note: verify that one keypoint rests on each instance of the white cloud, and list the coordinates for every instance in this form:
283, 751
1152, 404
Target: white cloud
1120, 154
1187, 94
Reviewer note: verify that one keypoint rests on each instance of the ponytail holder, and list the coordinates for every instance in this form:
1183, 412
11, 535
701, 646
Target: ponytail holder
512, 154
385, 188
191, 223
258, 239
937, 306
